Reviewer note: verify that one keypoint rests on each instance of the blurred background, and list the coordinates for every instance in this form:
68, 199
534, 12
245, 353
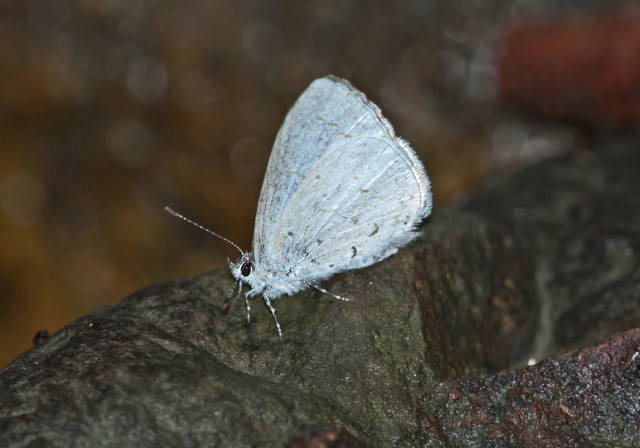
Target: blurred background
112, 109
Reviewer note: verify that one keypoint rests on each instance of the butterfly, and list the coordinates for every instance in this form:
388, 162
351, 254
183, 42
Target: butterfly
341, 192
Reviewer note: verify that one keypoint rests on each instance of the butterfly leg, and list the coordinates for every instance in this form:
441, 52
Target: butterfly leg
273, 313
246, 300
225, 305
324, 291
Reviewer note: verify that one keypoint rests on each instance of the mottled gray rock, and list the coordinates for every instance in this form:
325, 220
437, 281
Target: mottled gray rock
543, 261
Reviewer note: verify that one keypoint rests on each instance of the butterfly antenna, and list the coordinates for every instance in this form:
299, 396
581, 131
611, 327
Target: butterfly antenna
178, 215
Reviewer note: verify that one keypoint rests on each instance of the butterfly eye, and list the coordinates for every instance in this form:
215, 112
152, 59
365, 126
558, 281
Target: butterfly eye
245, 268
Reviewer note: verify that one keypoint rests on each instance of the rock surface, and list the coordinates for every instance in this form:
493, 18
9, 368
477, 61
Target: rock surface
431, 352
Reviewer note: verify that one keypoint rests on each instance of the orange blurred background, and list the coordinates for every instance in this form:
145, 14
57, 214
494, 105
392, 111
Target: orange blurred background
111, 110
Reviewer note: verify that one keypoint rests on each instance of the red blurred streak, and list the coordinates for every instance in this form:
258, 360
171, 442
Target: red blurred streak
584, 70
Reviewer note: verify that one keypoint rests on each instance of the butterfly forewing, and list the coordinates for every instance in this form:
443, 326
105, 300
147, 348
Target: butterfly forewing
341, 190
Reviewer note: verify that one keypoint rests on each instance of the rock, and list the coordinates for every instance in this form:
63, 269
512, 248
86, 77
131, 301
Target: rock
429, 353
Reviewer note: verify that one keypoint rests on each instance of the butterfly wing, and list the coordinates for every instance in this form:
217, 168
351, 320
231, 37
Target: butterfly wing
341, 190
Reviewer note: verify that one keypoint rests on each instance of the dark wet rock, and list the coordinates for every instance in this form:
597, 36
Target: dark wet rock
431, 352
584, 399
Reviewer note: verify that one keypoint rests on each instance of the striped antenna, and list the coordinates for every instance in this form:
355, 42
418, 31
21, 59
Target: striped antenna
178, 215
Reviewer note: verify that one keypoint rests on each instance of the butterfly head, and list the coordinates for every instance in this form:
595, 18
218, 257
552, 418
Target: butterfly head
243, 269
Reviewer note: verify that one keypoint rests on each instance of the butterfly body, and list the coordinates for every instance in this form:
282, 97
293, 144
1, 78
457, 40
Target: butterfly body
269, 283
